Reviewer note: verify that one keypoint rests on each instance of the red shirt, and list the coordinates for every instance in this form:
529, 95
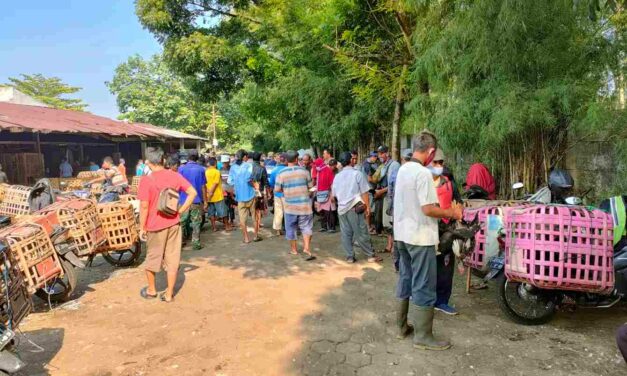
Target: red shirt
149, 188
445, 194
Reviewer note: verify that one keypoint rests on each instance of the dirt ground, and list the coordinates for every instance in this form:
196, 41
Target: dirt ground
256, 310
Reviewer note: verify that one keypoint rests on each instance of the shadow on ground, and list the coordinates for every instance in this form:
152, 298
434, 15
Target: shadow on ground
37, 348
354, 334
270, 258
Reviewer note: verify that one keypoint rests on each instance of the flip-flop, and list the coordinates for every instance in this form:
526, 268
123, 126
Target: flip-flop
144, 294
257, 239
375, 259
293, 254
383, 251
310, 258
162, 297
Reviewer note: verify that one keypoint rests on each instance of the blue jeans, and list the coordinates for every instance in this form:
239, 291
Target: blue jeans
418, 275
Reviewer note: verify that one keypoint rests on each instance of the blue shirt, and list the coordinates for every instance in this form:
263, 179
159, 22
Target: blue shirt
272, 178
195, 175
270, 162
94, 167
240, 177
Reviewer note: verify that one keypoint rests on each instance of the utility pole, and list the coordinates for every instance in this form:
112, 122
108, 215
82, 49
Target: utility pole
213, 123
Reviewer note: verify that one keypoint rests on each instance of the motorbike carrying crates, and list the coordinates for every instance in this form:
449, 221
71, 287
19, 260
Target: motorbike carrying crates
34, 253
477, 259
80, 217
15, 302
118, 223
560, 247
15, 201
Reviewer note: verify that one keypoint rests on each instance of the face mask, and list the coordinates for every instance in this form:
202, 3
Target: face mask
436, 171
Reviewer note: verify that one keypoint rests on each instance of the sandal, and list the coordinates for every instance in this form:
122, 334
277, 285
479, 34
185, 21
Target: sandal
310, 257
385, 250
258, 239
163, 299
375, 259
144, 294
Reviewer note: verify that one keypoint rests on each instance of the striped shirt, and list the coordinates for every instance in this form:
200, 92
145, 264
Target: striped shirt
294, 182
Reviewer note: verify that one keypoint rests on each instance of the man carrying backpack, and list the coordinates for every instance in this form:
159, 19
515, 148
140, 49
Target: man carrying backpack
159, 222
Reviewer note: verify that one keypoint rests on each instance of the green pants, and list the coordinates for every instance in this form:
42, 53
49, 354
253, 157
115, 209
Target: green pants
191, 221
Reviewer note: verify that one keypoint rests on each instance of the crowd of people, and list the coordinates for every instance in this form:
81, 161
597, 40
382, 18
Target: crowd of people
410, 202
407, 202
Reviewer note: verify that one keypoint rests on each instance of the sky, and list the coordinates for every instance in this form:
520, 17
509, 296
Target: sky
80, 41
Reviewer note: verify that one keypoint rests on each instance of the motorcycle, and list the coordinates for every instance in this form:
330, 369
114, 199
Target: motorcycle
527, 304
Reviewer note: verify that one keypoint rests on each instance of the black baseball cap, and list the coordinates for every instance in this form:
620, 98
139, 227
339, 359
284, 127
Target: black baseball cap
383, 149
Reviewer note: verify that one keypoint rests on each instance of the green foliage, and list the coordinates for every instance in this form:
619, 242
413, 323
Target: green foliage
147, 91
49, 90
511, 83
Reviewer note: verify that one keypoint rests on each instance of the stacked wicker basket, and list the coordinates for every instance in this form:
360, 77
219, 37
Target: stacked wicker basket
118, 223
80, 217
34, 253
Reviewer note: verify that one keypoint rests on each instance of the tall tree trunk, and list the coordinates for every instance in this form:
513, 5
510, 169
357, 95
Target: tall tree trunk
399, 104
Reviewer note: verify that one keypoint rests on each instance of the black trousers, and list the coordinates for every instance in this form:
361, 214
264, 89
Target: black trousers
328, 219
621, 340
446, 271
378, 215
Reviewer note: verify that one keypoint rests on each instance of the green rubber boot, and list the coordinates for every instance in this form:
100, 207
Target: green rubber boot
404, 329
422, 318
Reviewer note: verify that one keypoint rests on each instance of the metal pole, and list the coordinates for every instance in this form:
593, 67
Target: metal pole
213, 122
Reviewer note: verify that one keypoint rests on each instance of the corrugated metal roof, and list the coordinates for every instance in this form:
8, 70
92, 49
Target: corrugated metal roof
24, 118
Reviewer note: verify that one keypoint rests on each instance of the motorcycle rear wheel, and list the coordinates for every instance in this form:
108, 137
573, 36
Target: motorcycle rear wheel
524, 304
126, 258
60, 290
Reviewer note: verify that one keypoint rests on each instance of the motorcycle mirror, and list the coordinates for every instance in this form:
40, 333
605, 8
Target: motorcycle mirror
573, 200
517, 185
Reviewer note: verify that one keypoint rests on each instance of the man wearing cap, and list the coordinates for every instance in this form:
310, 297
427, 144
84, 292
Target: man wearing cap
445, 260
350, 189
279, 203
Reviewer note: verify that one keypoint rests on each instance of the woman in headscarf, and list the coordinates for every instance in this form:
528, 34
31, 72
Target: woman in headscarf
324, 202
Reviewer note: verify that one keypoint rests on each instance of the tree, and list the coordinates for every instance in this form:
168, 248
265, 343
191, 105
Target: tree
147, 91
49, 90
516, 84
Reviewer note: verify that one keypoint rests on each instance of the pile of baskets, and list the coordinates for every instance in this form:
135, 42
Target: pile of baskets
81, 218
15, 201
33, 253
119, 225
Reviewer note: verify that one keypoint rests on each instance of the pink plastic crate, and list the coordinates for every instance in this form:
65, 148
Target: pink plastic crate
560, 247
477, 259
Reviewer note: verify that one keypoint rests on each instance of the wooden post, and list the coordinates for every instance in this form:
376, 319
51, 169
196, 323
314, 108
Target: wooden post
198, 146
182, 144
143, 148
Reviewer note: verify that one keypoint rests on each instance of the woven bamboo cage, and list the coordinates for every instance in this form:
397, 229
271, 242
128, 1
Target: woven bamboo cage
34, 252
80, 217
118, 224
15, 201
